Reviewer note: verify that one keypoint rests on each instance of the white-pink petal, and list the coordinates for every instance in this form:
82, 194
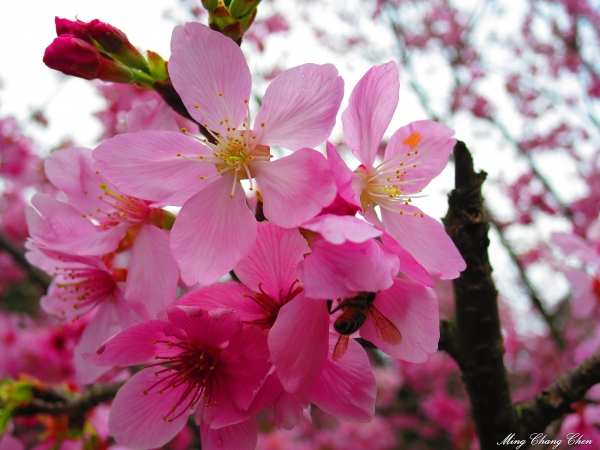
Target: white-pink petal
151, 116
155, 165
424, 148
295, 188
339, 229
370, 110
426, 240
210, 75
213, 232
299, 107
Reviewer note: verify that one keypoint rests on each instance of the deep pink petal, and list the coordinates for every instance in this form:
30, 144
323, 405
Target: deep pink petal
302, 98
584, 299
208, 70
289, 410
339, 229
135, 345
151, 116
230, 295
273, 260
408, 265
103, 326
346, 388
155, 165
348, 183
426, 240
429, 144
153, 274
244, 365
370, 109
413, 309
295, 188
211, 329
241, 436
298, 343
60, 226
341, 271
136, 419
213, 232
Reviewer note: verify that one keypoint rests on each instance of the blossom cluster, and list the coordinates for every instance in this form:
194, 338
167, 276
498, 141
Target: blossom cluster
315, 252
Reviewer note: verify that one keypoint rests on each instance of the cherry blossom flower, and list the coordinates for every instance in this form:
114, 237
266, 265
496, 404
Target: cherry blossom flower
415, 154
199, 361
298, 111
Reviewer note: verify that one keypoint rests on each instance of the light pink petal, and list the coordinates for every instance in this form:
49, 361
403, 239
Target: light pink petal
60, 226
346, 388
584, 299
208, 69
245, 365
571, 244
339, 229
146, 165
426, 240
210, 329
413, 309
241, 436
273, 260
300, 106
408, 265
588, 347
341, 271
370, 109
103, 326
298, 343
153, 274
429, 144
136, 419
289, 410
348, 183
152, 115
135, 345
213, 232
295, 188
229, 294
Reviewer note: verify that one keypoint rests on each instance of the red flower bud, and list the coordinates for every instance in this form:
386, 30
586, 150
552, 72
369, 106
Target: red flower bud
75, 57
77, 29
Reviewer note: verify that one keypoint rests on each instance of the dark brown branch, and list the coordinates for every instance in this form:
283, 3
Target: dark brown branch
535, 300
35, 274
478, 337
448, 339
73, 407
555, 401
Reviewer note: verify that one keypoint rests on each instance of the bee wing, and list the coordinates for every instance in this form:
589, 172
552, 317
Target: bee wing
386, 330
340, 346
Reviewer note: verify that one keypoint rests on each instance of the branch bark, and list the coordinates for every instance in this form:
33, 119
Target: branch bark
478, 343
556, 400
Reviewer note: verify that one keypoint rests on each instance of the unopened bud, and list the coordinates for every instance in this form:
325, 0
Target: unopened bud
157, 65
242, 8
76, 57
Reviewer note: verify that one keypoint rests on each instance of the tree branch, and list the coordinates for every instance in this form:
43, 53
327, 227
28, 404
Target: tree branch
478, 338
38, 276
57, 404
555, 401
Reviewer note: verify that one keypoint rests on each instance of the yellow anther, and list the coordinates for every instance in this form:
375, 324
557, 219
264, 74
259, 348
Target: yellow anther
184, 130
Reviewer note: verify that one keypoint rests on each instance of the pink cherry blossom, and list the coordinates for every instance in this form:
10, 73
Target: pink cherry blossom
415, 154
214, 367
203, 174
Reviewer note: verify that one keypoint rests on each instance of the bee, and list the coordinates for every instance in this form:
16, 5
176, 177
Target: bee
354, 315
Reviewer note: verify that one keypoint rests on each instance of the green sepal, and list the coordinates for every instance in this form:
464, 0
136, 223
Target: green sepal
158, 66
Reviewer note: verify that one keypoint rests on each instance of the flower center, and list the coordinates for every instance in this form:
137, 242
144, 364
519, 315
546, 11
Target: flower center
192, 367
272, 306
235, 147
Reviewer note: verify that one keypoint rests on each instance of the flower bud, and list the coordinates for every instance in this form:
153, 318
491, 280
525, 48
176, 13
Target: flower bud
105, 38
76, 57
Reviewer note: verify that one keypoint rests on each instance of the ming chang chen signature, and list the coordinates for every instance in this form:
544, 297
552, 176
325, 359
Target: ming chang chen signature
542, 439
